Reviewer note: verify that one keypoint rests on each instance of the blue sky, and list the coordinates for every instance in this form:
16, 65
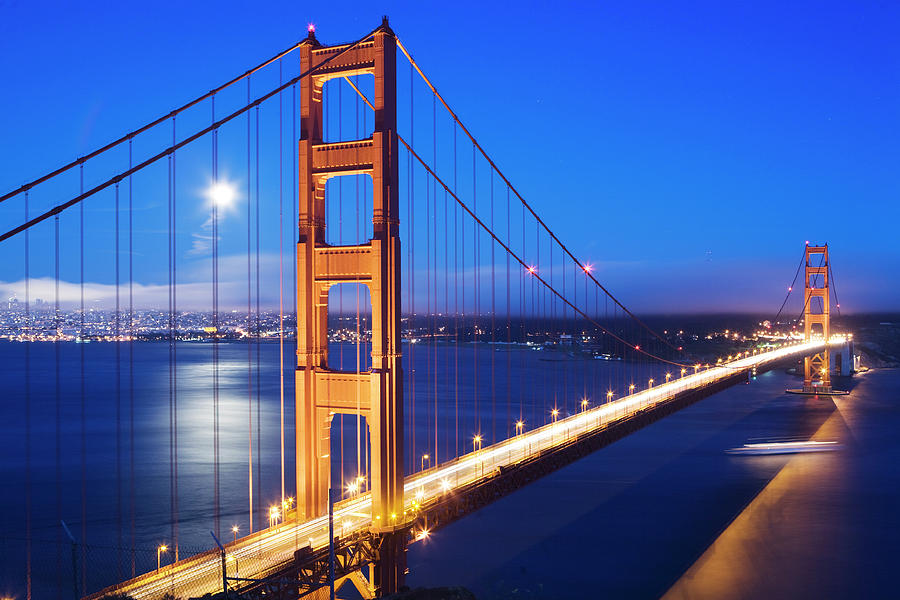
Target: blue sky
688, 149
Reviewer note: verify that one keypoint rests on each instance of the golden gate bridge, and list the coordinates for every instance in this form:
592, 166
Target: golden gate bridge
449, 347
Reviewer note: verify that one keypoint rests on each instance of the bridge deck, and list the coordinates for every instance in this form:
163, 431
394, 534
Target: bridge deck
269, 550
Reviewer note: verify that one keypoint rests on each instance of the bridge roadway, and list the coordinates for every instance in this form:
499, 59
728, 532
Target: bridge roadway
263, 552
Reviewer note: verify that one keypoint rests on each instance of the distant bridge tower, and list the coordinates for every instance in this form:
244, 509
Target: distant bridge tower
817, 368
322, 392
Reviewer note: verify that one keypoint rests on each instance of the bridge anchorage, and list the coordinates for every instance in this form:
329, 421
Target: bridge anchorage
817, 323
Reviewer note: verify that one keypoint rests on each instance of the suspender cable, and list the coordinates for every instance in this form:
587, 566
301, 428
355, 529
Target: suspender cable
281, 272
429, 310
508, 328
455, 306
493, 338
294, 224
118, 333
340, 183
249, 334
175, 342
131, 360
27, 408
258, 324
428, 321
58, 405
833, 288
447, 454
475, 272
82, 382
412, 285
215, 323
358, 370
434, 278
171, 340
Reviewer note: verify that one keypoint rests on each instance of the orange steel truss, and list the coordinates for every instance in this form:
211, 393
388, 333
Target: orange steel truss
816, 368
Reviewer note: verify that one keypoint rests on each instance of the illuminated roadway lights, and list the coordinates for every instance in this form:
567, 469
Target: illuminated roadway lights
668, 377
159, 551
683, 371
554, 414
584, 404
520, 427
650, 384
424, 458
353, 488
234, 530
273, 516
476, 441
609, 396
275, 544
630, 389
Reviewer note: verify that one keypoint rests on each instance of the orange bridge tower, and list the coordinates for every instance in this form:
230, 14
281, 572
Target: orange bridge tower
816, 319
321, 391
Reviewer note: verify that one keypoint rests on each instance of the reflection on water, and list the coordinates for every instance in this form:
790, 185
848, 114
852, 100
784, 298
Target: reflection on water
127, 450
666, 511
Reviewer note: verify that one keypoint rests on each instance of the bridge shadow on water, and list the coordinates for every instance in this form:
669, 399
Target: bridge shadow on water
630, 519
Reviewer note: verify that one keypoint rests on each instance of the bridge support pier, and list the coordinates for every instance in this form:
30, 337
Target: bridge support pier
389, 570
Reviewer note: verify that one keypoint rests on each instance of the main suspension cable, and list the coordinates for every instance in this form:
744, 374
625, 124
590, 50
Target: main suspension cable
522, 200
791, 287
168, 151
531, 269
129, 136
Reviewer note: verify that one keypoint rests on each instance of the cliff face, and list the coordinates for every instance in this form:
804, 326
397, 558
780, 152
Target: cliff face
879, 344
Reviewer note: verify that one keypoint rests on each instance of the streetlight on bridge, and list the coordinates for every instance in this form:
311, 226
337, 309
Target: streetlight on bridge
234, 530
274, 513
424, 458
159, 551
